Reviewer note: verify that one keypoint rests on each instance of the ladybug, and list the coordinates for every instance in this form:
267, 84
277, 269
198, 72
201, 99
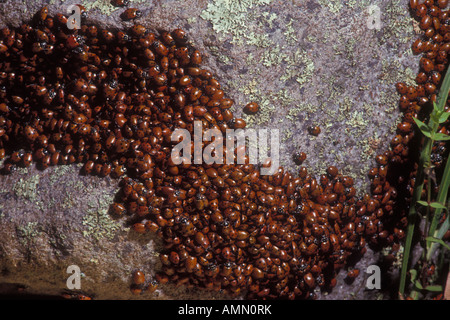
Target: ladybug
430, 88
31, 133
426, 64
352, 273
138, 30
179, 35
136, 290
160, 48
309, 280
138, 277
435, 77
54, 160
426, 22
88, 167
107, 35
251, 108
139, 227
120, 3
105, 169
9, 168
152, 286
151, 226
45, 162
404, 127
62, 19
442, 4
402, 88
42, 14
16, 156
421, 10
299, 157
411, 93
196, 57
167, 38
83, 11
421, 78
118, 171
314, 130
130, 14
122, 37
73, 41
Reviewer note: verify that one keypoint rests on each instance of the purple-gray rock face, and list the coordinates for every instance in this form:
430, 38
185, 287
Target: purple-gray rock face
327, 63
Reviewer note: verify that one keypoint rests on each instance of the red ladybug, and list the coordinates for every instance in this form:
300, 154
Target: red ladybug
73, 41
131, 13
299, 157
352, 273
120, 3
138, 277
251, 108
314, 130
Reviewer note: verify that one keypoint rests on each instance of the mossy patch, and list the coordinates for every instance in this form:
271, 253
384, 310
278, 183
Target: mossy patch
26, 188
333, 5
97, 219
27, 233
235, 19
99, 225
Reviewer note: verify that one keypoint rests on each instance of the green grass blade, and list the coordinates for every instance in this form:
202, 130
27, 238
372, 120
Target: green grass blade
441, 198
424, 158
439, 241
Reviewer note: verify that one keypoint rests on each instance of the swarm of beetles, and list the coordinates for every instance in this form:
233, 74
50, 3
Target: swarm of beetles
111, 101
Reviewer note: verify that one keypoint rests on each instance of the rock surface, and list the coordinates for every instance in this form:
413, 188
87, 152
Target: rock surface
306, 63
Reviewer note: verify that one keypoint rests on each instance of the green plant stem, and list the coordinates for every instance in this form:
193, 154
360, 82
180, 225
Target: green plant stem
441, 198
412, 214
418, 187
427, 217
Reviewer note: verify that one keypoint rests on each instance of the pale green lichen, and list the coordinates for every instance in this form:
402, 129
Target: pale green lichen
273, 56
290, 34
306, 109
400, 22
269, 18
299, 66
99, 225
97, 220
308, 71
221, 58
236, 19
254, 93
27, 187
398, 255
333, 5
191, 20
392, 71
28, 232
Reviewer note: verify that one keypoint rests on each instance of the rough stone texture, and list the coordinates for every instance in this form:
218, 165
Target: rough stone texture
305, 62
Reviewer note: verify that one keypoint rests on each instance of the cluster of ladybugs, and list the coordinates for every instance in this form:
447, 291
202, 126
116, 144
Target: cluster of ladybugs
416, 101
111, 100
